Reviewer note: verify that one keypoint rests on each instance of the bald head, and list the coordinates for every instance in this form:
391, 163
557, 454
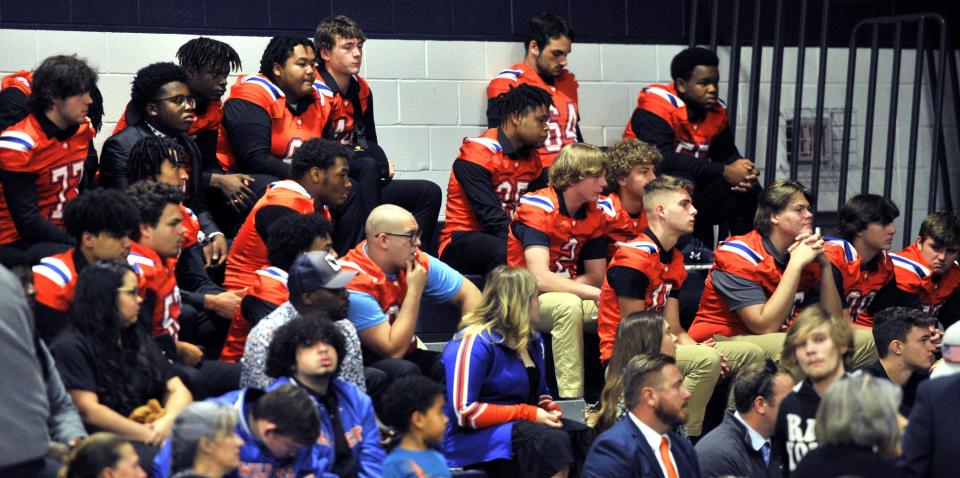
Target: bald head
387, 218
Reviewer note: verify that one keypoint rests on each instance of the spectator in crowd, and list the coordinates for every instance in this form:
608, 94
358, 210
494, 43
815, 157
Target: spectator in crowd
316, 283
860, 259
318, 173
269, 115
858, 431
928, 269
15, 91
631, 166
930, 440
740, 445
101, 222
906, 352
205, 441
554, 229
546, 46
279, 428
339, 41
643, 443
110, 366
502, 417
393, 275
818, 350
43, 157
951, 353
161, 160
641, 333
688, 123
758, 280
413, 407
104, 455
488, 178
26, 413
288, 238
307, 352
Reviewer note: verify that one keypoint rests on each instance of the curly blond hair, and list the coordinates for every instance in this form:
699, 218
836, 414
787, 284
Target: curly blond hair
626, 154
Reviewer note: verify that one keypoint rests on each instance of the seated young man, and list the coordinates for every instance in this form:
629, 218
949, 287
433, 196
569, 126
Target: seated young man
647, 273
687, 122
101, 221
279, 430
759, 279
630, 167
269, 115
554, 228
288, 238
928, 270
866, 271
42, 157
307, 352
339, 41
546, 46
393, 276
488, 178
319, 179
903, 337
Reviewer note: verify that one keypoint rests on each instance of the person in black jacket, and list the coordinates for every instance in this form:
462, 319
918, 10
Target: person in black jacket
818, 347
741, 446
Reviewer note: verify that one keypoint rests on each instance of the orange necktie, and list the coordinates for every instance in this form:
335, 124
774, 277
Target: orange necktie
665, 456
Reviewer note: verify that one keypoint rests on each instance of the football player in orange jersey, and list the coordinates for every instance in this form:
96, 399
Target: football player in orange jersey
928, 268
42, 157
758, 279
394, 276
554, 229
630, 167
102, 222
488, 178
687, 122
339, 42
546, 47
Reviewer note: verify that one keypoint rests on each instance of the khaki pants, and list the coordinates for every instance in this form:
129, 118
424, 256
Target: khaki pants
864, 348
700, 366
563, 314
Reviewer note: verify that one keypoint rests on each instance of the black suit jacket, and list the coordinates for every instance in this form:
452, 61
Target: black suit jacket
622, 452
931, 441
727, 450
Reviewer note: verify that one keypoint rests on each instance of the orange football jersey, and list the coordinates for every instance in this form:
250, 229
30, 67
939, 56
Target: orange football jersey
642, 254
271, 286
249, 251
509, 178
192, 226
540, 210
157, 275
287, 132
915, 277
860, 285
745, 257
564, 113
621, 226
209, 121
21, 80
57, 165
340, 121
55, 280
692, 139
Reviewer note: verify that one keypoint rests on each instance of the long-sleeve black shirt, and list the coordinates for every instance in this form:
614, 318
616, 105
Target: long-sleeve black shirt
654, 130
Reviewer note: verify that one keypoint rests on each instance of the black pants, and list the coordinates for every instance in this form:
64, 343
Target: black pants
205, 329
422, 198
210, 379
39, 468
474, 252
540, 451
418, 362
227, 218
717, 204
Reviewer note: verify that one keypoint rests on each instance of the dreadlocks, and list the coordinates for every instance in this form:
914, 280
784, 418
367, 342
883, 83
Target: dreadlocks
148, 155
215, 55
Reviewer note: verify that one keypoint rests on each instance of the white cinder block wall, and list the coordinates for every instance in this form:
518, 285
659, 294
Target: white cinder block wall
431, 94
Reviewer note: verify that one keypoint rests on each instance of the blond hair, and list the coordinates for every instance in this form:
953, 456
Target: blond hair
812, 317
576, 161
627, 154
504, 307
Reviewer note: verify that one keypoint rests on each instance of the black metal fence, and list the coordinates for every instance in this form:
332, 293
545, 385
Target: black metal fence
931, 46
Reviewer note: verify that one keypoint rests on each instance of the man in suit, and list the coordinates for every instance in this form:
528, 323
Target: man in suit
930, 440
741, 446
642, 444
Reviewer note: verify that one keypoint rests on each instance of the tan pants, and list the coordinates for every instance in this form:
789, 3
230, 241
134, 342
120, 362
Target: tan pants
864, 348
562, 315
700, 366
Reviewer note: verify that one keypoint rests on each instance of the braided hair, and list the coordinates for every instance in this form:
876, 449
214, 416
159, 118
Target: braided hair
148, 155
203, 52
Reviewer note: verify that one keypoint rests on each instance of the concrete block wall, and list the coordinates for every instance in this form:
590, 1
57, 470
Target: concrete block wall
430, 94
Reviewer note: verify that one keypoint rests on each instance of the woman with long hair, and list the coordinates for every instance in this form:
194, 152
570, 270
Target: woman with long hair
502, 417
103, 455
109, 364
640, 333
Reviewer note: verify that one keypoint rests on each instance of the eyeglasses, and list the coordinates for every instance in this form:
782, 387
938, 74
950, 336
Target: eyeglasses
178, 100
413, 237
